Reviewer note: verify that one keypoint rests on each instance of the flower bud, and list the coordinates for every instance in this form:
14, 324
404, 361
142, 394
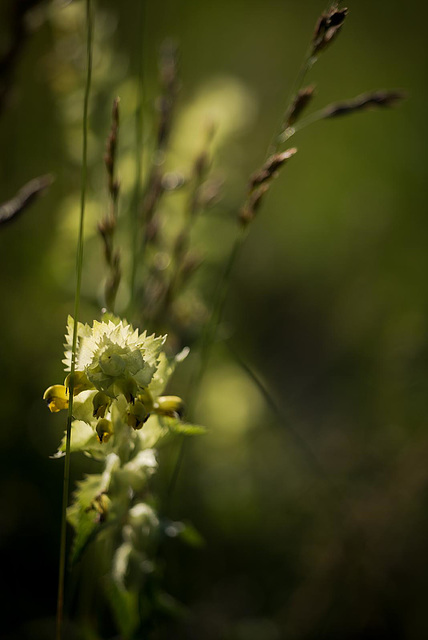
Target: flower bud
137, 414
171, 406
81, 382
104, 430
56, 397
101, 402
128, 387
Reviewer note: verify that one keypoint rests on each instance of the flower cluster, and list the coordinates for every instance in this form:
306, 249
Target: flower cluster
117, 384
113, 362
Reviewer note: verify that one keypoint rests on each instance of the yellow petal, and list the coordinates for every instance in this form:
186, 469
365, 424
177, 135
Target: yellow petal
172, 406
56, 397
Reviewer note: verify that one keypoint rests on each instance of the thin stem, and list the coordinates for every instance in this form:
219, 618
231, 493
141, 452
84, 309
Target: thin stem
316, 116
139, 134
210, 331
79, 263
279, 413
207, 340
306, 66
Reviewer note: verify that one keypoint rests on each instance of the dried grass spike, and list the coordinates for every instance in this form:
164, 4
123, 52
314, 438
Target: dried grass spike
299, 104
327, 28
363, 102
110, 154
270, 167
249, 210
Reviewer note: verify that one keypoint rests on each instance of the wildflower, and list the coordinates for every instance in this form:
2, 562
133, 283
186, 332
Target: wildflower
104, 430
56, 397
115, 358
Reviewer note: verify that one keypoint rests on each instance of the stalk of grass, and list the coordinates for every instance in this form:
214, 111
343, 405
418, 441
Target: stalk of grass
139, 134
207, 340
107, 226
79, 264
364, 102
327, 28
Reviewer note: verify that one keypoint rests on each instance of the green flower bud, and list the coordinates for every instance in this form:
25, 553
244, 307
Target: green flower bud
171, 406
146, 398
128, 387
137, 414
104, 430
101, 505
101, 403
81, 382
56, 397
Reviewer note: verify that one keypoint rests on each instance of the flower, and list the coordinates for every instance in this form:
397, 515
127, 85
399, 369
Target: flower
117, 384
114, 357
56, 397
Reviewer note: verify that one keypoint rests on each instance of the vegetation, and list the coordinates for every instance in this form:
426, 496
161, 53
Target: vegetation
154, 278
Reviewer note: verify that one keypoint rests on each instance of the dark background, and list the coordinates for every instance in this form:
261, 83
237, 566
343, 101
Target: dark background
316, 521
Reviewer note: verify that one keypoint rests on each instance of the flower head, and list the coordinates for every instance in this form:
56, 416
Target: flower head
114, 357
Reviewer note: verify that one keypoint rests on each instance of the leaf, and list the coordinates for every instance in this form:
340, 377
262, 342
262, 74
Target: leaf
152, 433
125, 608
83, 438
169, 606
182, 428
85, 511
164, 371
185, 532
191, 536
82, 516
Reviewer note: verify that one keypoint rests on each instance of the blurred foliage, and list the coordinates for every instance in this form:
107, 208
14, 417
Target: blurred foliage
313, 510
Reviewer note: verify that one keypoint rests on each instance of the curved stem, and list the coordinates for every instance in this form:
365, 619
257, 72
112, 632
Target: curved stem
79, 263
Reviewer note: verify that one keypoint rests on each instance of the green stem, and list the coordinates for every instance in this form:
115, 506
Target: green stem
210, 331
306, 66
316, 116
207, 340
278, 411
139, 132
79, 263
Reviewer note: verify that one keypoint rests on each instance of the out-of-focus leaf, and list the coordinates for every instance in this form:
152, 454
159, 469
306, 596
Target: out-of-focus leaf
88, 510
182, 428
82, 516
186, 532
83, 438
169, 606
125, 608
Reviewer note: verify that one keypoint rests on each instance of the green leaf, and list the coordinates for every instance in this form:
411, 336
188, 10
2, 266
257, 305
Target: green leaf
191, 536
125, 609
83, 438
185, 532
182, 428
82, 516
169, 606
85, 511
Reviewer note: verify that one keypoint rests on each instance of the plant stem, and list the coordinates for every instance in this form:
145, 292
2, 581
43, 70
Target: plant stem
79, 263
306, 66
279, 412
207, 340
139, 132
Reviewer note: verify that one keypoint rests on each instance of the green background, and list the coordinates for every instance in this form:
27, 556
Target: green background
315, 522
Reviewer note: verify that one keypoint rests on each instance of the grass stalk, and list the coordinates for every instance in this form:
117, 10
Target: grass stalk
135, 226
79, 263
207, 341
